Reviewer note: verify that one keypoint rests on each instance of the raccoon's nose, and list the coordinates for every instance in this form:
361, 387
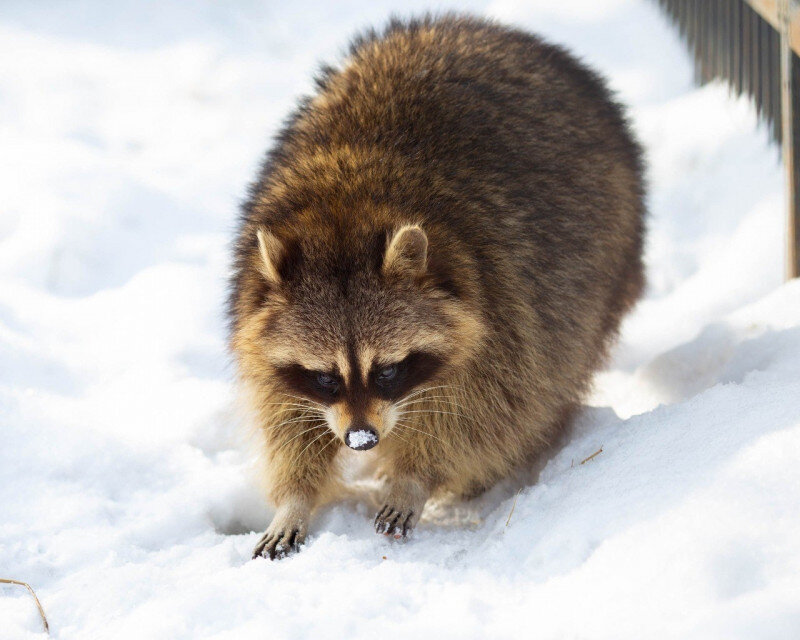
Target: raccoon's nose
361, 438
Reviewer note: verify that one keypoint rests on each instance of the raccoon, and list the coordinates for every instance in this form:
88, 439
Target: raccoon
431, 264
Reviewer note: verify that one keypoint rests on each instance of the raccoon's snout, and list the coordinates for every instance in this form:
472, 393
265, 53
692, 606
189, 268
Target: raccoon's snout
361, 438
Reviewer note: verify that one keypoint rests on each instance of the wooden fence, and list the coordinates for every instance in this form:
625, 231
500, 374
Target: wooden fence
754, 46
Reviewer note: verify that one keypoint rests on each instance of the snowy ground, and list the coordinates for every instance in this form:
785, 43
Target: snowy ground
128, 131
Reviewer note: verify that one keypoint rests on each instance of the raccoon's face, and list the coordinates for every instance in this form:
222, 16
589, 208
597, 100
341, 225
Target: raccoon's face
358, 330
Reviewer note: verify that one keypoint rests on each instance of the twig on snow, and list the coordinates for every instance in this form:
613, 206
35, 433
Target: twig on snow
33, 593
596, 453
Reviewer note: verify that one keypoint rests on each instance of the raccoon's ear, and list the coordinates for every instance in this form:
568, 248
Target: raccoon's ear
271, 250
407, 253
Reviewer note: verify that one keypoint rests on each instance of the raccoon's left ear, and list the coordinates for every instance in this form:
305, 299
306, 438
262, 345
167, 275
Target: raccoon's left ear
407, 253
271, 251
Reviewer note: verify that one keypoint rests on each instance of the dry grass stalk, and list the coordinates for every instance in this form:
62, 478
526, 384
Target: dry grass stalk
511, 513
38, 604
596, 453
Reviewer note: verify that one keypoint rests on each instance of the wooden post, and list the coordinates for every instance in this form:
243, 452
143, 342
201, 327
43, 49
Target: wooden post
790, 129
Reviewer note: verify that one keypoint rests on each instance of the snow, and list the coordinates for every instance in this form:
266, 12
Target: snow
128, 499
359, 438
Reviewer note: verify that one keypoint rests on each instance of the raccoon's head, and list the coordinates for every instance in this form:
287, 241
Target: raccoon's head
355, 322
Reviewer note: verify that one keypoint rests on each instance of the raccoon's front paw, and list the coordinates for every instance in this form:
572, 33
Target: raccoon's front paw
405, 500
286, 533
279, 544
396, 521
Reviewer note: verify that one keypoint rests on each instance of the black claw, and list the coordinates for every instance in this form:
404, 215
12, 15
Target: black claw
277, 546
390, 526
390, 521
406, 526
297, 540
383, 524
261, 545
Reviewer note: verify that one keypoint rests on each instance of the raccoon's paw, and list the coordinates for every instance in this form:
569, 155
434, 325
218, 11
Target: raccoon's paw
286, 533
279, 544
397, 522
402, 508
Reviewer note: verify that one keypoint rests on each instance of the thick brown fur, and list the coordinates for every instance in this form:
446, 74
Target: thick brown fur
460, 198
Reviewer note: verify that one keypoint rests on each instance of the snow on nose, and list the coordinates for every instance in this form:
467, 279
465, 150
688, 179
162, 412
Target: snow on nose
361, 438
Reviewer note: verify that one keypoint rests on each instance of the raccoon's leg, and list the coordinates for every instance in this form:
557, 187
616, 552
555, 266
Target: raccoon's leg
299, 469
403, 506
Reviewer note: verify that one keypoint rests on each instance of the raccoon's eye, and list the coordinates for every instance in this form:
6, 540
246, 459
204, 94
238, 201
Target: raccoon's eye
387, 374
327, 382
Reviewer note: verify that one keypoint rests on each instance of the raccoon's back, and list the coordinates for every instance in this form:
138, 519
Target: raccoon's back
478, 114
487, 131
502, 137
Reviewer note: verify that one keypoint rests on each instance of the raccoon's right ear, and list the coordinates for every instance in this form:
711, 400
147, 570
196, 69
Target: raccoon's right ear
271, 250
407, 253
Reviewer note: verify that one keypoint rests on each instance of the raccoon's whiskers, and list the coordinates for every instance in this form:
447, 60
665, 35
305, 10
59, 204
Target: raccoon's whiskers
291, 405
288, 404
295, 421
292, 414
426, 399
423, 390
408, 426
327, 444
306, 400
299, 456
434, 411
463, 416
304, 431
423, 398
395, 431
411, 396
